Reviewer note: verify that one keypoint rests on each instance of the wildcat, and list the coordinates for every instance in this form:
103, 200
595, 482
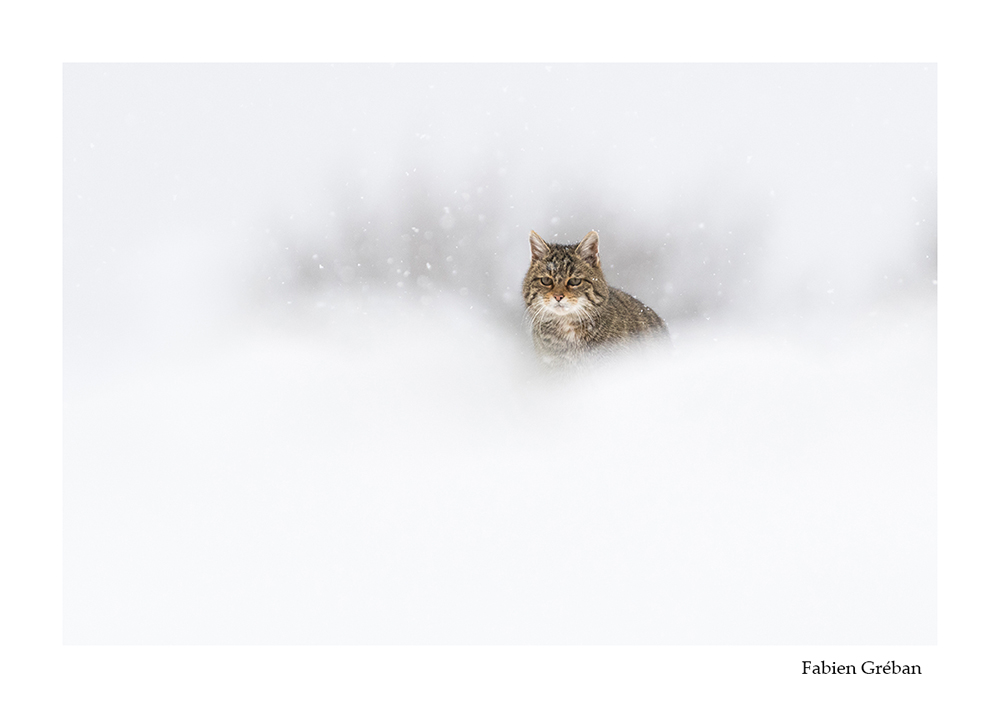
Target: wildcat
574, 312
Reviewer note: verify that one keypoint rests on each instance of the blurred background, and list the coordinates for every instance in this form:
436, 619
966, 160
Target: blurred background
286, 284
199, 193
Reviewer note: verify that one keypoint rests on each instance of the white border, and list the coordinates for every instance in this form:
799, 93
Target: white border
36, 41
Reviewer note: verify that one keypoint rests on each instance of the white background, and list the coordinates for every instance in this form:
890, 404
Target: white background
83, 670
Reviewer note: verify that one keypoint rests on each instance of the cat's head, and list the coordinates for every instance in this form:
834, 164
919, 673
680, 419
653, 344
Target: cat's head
564, 280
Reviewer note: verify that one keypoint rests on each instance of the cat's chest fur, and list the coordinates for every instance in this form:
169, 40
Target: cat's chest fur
571, 332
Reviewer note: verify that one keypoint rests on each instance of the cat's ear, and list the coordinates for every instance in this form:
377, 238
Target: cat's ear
539, 249
587, 249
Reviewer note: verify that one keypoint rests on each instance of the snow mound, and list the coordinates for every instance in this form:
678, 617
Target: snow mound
407, 474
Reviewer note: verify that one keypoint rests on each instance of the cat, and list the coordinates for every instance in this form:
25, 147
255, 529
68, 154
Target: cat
574, 312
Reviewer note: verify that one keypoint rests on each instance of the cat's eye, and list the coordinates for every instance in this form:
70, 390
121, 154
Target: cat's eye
547, 282
574, 282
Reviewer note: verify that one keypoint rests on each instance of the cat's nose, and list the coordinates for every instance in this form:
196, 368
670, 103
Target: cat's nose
558, 297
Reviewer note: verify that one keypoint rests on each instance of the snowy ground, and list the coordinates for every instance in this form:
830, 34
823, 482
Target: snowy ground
388, 473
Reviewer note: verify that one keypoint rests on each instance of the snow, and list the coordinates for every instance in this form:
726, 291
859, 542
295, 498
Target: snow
422, 481
258, 450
